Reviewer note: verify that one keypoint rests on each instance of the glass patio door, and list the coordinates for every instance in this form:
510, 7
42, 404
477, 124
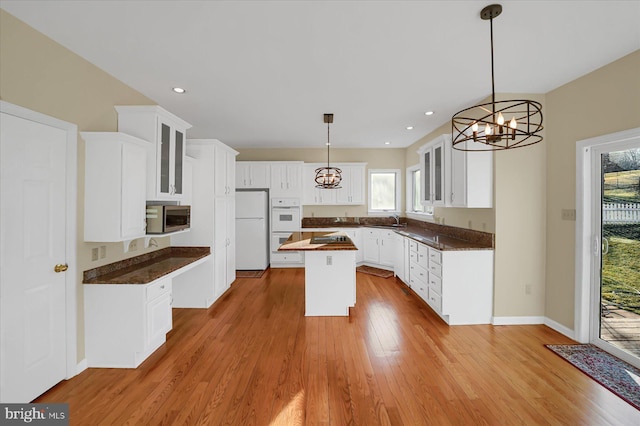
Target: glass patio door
616, 287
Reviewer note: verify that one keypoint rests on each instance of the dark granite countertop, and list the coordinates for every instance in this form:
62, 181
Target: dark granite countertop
145, 268
441, 237
303, 241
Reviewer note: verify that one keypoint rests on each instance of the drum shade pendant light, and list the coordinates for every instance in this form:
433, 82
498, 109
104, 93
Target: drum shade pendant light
328, 177
498, 125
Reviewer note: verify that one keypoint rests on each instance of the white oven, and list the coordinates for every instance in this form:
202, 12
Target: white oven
285, 214
278, 238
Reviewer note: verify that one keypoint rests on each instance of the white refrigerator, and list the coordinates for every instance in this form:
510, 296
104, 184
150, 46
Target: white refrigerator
252, 230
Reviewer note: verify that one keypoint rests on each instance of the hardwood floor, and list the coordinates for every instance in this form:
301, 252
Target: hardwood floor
253, 358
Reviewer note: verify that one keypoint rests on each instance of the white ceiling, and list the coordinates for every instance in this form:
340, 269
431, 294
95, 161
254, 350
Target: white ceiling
262, 73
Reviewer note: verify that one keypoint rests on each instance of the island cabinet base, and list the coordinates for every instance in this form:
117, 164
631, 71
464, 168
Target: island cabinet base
330, 282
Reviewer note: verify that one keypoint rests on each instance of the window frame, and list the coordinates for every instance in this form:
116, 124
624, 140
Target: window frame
410, 212
398, 194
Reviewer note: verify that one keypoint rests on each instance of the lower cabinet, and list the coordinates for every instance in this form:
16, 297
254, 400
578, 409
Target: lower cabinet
125, 323
379, 247
457, 284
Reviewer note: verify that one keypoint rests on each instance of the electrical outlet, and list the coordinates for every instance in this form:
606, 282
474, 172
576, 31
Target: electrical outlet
329, 260
527, 289
133, 245
103, 252
568, 214
94, 254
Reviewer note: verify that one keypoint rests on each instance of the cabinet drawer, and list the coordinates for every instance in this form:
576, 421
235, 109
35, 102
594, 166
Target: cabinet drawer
435, 256
158, 288
423, 257
436, 269
435, 284
413, 257
289, 257
421, 274
413, 245
435, 300
420, 288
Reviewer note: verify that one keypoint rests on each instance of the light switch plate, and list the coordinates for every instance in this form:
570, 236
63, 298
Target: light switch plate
569, 214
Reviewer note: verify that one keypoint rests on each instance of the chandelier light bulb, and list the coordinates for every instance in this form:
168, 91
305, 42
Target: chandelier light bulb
513, 123
487, 130
500, 119
474, 127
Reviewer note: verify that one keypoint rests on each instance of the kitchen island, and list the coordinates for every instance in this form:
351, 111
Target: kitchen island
330, 271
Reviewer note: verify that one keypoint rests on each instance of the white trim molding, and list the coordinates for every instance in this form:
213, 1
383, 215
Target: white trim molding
584, 228
517, 320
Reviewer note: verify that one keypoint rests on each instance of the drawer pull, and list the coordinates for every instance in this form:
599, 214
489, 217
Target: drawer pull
162, 286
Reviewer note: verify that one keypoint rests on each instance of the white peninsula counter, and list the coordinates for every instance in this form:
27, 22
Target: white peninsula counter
330, 271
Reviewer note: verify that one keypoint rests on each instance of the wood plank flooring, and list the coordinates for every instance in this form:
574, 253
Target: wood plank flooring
254, 359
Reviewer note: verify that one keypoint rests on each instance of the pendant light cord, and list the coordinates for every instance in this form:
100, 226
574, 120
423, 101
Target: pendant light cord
493, 81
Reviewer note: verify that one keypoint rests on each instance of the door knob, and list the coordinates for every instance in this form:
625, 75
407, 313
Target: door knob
60, 267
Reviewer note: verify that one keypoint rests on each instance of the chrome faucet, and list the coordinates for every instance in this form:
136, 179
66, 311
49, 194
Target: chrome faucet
397, 218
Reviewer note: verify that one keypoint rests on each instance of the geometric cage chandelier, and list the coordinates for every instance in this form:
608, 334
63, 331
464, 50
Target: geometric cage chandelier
495, 126
328, 177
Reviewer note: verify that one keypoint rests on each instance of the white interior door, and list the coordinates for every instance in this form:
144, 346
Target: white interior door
33, 242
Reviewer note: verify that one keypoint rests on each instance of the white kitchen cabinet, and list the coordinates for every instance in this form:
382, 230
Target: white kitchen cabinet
212, 225
434, 157
286, 179
125, 323
312, 195
350, 193
224, 248
187, 193
115, 186
457, 284
353, 178
379, 247
225, 171
471, 179
401, 257
252, 174
165, 157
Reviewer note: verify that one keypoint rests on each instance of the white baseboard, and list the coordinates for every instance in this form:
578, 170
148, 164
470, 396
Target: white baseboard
81, 366
560, 328
534, 320
517, 320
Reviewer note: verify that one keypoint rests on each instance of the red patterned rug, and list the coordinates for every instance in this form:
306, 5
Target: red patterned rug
375, 271
614, 374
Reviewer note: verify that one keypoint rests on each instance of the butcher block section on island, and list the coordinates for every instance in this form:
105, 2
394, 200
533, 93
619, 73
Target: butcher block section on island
330, 271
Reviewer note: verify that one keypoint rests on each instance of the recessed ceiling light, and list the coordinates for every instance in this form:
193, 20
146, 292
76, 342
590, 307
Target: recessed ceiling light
428, 113
409, 127
178, 90
387, 143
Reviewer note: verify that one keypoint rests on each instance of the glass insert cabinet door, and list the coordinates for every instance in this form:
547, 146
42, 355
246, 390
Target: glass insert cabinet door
165, 153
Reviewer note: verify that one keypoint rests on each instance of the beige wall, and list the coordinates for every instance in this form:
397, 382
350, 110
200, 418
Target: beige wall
604, 101
39, 74
517, 220
380, 158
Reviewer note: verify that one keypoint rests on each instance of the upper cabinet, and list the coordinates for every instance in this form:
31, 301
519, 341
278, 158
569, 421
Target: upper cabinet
471, 176
225, 171
454, 178
115, 184
252, 174
165, 159
351, 191
433, 157
286, 179
310, 194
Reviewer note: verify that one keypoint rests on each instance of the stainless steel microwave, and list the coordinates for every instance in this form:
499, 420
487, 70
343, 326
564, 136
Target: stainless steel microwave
163, 219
